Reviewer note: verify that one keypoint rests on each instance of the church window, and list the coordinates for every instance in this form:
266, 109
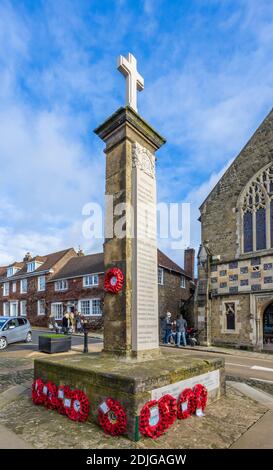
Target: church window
223, 272
233, 277
214, 280
230, 315
213, 268
268, 266
256, 205
244, 282
268, 279
223, 285
255, 261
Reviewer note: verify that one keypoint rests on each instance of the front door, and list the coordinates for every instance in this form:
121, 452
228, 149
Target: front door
268, 327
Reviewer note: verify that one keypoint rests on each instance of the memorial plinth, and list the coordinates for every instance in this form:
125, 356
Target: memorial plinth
131, 368
132, 383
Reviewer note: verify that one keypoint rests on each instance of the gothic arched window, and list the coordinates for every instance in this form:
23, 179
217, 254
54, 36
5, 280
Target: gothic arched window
256, 210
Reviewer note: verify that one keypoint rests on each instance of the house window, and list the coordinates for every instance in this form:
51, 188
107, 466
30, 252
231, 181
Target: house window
161, 276
41, 307
57, 310
13, 311
96, 307
61, 285
183, 282
23, 308
256, 205
230, 315
6, 309
6, 288
23, 286
91, 280
10, 271
90, 307
41, 283
14, 287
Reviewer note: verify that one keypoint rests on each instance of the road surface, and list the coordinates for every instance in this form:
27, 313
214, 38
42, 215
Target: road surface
33, 346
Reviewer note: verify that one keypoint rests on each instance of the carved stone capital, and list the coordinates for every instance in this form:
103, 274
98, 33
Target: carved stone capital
143, 159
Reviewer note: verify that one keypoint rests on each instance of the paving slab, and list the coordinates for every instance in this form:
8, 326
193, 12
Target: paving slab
259, 436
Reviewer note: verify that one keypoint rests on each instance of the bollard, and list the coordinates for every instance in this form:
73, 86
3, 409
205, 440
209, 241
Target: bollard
85, 348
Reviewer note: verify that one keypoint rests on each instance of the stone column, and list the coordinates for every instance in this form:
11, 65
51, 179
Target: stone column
131, 317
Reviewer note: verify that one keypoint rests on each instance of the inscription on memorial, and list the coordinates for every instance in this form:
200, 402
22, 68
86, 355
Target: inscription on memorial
144, 264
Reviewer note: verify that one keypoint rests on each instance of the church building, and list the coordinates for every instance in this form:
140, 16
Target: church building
234, 296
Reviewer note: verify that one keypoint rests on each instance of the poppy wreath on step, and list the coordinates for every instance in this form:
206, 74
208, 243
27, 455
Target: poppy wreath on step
63, 395
170, 414
200, 397
113, 280
152, 421
185, 404
38, 397
51, 401
79, 409
112, 417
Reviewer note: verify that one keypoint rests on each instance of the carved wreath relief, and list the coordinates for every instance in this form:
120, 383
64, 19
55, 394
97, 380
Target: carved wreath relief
143, 159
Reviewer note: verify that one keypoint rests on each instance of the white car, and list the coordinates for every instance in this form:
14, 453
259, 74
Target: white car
13, 330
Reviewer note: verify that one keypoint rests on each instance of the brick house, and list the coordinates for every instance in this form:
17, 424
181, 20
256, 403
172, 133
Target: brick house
47, 286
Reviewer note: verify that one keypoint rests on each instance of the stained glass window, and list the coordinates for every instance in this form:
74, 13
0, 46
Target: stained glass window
248, 232
260, 229
256, 205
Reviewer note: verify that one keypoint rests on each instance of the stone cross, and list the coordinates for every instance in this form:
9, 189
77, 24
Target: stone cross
134, 81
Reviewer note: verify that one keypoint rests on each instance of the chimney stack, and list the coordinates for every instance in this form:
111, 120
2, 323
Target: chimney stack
27, 257
189, 255
80, 252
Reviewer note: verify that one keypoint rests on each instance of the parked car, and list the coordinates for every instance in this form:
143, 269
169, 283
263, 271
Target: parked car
14, 329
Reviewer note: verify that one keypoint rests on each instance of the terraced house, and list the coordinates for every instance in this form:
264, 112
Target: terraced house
46, 286
234, 301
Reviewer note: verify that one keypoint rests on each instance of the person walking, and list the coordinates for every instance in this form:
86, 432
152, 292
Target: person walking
65, 323
72, 322
181, 326
79, 328
167, 327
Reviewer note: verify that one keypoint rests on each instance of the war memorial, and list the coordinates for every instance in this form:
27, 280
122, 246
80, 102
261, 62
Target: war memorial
132, 369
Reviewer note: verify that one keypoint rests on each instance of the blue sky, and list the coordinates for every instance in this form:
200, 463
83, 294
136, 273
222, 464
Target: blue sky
208, 73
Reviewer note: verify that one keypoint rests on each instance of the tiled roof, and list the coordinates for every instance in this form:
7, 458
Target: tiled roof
81, 265
88, 264
165, 262
47, 262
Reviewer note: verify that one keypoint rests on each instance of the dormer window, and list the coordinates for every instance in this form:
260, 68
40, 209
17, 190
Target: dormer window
32, 266
11, 271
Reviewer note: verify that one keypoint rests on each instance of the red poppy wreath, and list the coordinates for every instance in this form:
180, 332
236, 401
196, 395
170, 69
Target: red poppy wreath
170, 414
200, 397
79, 409
112, 417
113, 280
51, 401
38, 397
151, 420
185, 404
